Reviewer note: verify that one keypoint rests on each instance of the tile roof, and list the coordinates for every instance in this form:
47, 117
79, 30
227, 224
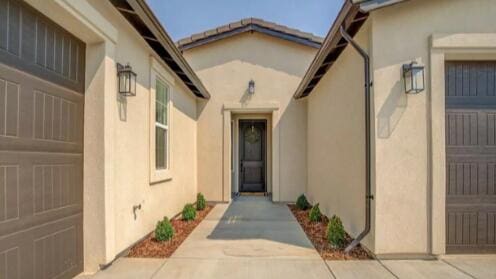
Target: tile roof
246, 25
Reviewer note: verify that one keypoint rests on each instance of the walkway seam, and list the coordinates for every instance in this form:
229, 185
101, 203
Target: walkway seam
330, 270
159, 268
387, 268
459, 269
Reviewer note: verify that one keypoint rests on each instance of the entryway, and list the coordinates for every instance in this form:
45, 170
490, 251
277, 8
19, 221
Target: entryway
251, 142
252, 150
252, 156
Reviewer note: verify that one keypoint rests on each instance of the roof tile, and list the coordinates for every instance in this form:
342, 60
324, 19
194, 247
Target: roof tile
299, 35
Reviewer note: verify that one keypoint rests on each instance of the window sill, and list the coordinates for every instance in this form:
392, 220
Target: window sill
157, 177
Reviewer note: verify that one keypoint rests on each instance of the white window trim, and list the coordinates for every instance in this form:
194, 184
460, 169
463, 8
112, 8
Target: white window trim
158, 72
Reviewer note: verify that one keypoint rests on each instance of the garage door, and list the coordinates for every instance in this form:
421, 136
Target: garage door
471, 157
41, 146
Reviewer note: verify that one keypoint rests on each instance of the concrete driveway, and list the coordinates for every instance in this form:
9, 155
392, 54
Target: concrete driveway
254, 238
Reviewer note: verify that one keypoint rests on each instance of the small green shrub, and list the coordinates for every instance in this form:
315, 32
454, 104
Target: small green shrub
314, 214
164, 230
201, 203
302, 203
189, 212
335, 232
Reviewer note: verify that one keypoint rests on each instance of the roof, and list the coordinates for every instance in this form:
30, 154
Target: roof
351, 17
141, 17
250, 25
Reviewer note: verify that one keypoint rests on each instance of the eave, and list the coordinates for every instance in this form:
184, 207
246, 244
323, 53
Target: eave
351, 17
250, 25
141, 17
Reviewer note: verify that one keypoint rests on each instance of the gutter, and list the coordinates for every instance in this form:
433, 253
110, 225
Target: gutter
370, 5
368, 178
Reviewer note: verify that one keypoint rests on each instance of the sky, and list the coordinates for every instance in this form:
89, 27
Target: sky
183, 18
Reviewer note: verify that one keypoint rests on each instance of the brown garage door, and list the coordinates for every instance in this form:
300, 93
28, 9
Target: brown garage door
41, 146
471, 157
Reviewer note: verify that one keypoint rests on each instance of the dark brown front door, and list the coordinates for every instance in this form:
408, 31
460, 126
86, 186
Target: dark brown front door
252, 154
41, 146
471, 157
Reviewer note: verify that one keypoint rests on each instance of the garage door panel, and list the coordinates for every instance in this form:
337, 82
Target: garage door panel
471, 128
468, 228
470, 156
470, 175
491, 228
51, 250
38, 46
39, 116
49, 186
462, 128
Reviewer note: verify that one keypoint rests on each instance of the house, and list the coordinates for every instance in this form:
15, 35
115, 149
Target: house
251, 141
90, 159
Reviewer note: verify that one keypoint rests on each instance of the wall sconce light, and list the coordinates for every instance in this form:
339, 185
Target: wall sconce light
127, 80
414, 78
251, 87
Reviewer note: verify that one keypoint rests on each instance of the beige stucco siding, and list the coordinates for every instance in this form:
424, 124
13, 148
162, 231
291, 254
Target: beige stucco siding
336, 149
226, 67
131, 143
404, 148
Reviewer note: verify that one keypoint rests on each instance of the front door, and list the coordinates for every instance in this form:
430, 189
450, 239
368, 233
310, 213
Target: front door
252, 154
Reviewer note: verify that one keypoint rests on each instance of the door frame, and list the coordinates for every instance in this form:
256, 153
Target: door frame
445, 47
269, 149
264, 148
232, 111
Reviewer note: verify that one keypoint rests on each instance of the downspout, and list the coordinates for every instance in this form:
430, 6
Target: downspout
368, 179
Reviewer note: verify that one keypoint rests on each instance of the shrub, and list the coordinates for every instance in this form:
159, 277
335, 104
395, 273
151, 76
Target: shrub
189, 212
314, 214
335, 232
164, 230
201, 203
302, 203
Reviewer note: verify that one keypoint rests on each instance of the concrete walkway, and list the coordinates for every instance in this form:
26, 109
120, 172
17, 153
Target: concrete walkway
254, 238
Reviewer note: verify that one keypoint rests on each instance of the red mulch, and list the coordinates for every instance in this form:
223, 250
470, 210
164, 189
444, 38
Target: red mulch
151, 248
316, 232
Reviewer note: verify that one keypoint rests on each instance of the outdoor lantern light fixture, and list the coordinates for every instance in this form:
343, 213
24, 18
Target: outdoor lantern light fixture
127, 80
251, 87
414, 78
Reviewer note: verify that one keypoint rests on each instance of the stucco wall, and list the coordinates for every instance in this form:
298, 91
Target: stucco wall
403, 159
226, 67
117, 133
336, 140
131, 148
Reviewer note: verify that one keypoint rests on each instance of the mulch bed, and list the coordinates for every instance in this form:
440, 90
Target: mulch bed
316, 232
151, 248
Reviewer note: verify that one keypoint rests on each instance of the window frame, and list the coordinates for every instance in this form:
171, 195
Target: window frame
159, 73
162, 126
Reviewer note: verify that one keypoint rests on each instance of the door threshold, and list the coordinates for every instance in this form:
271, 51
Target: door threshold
253, 194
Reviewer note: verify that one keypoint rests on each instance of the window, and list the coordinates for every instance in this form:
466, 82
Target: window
161, 125
161, 129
